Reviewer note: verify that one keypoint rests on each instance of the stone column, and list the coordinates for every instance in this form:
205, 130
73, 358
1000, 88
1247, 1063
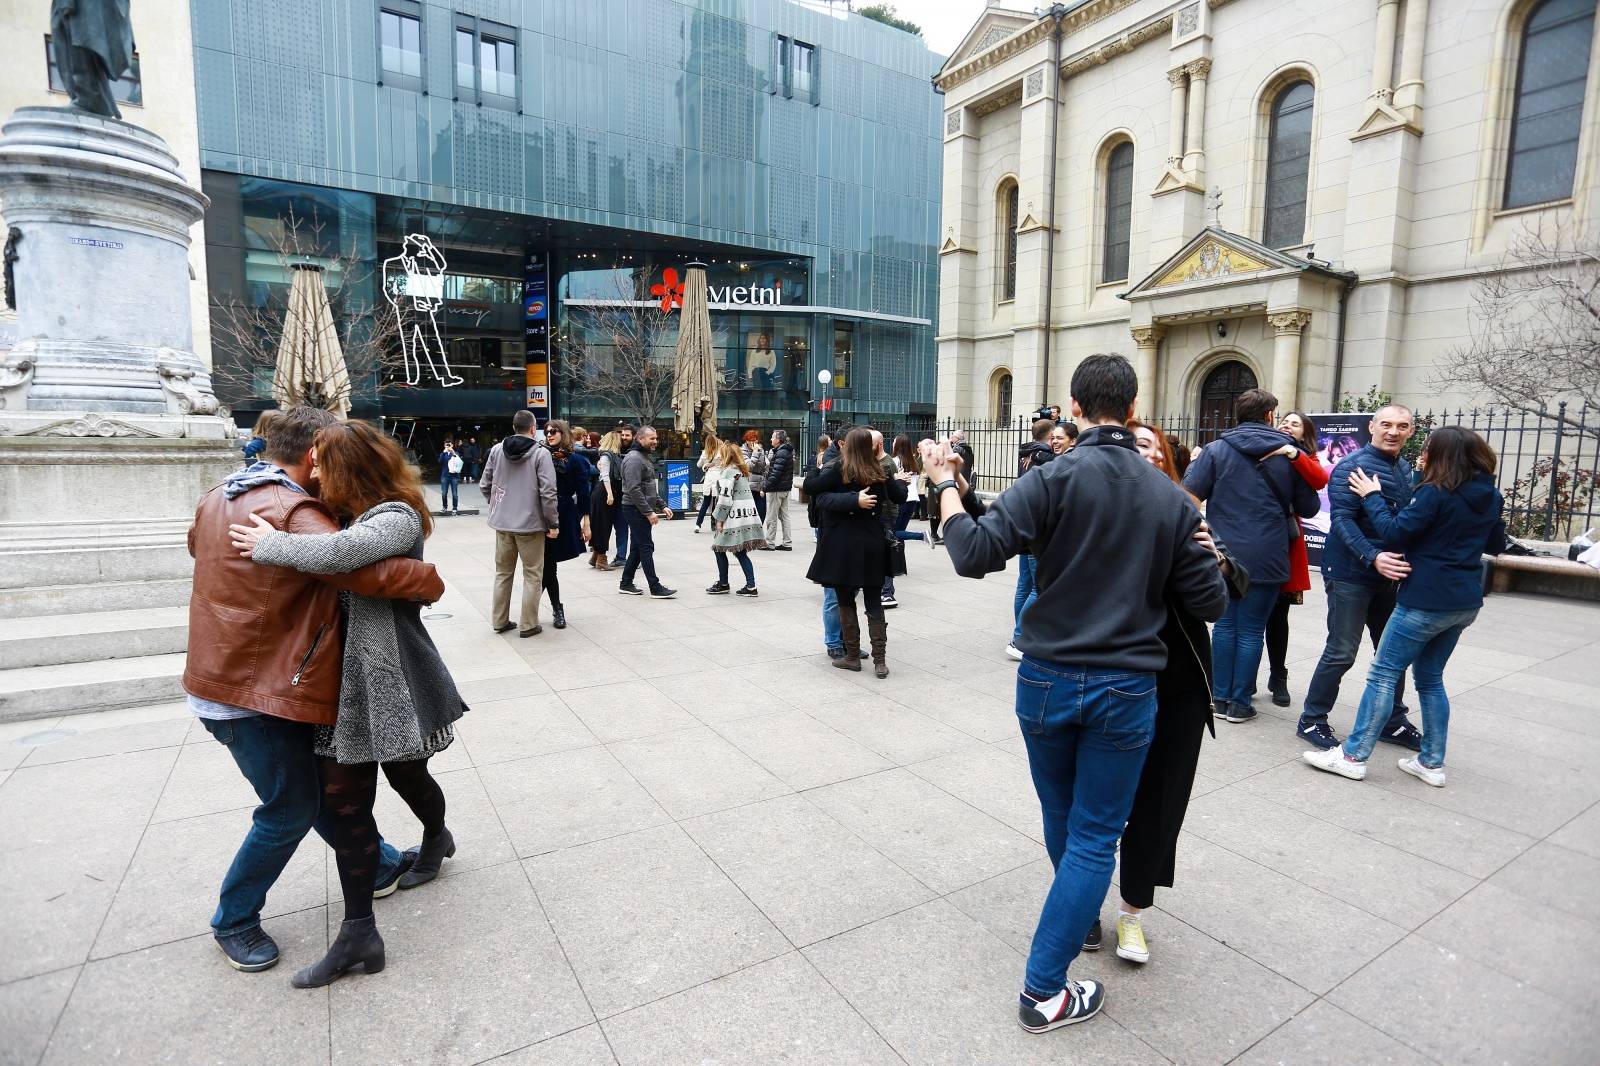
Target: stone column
1287, 327
1408, 94
1146, 340
1179, 79
1383, 50
1194, 154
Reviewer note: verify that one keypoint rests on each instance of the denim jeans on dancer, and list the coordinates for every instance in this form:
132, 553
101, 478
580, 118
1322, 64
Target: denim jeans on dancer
1352, 607
1422, 640
744, 564
276, 757
642, 541
832, 634
1087, 733
1236, 644
1026, 593
449, 487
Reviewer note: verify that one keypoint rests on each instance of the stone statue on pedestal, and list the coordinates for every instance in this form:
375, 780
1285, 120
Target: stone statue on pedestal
92, 43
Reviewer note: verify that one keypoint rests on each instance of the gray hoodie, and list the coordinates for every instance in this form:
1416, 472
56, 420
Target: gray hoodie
519, 481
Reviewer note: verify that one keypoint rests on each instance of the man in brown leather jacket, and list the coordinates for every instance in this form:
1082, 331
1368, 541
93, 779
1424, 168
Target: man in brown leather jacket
266, 648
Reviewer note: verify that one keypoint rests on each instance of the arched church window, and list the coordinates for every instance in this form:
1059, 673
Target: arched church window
1288, 166
1552, 72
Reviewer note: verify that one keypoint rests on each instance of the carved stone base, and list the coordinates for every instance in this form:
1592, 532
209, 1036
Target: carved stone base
89, 499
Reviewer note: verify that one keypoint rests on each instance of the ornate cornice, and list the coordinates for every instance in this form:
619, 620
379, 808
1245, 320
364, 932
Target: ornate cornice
1116, 46
1011, 95
1073, 21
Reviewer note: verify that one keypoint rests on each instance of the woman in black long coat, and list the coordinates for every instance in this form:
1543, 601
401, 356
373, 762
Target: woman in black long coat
574, 481
1183, 716
855, 503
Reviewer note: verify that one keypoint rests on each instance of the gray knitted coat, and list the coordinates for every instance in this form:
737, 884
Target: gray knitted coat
396, 699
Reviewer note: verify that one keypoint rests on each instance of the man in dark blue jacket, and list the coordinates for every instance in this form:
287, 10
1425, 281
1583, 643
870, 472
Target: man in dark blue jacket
1253, 496
1360, 577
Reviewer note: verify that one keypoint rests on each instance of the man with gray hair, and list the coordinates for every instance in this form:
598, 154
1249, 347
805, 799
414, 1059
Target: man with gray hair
519, 481
779, 482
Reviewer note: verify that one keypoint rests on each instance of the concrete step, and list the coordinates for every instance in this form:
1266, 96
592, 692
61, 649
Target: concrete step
74, 688
85, 638
40, 600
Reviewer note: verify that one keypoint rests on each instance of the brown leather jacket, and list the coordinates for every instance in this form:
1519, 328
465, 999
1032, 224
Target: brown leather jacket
269, 638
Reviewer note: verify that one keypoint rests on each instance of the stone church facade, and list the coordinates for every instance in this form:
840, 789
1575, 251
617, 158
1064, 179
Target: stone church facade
1291, 193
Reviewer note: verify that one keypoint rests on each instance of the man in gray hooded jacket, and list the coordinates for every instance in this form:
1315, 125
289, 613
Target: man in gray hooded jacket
519, 481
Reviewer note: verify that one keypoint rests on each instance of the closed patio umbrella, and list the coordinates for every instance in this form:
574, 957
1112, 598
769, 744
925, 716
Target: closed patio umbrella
694, 390
310, 369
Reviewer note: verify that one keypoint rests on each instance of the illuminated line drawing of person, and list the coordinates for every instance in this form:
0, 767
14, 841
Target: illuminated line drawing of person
413, 283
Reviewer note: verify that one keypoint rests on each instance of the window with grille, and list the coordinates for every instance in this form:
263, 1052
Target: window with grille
1008, 241
1551, 75
1119, 212
1288, 166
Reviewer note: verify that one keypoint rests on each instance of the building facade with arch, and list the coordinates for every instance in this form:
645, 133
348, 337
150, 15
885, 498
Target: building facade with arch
1282, 193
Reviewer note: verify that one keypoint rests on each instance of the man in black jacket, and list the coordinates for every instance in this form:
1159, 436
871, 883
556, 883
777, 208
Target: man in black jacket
642, 507
1253, 496
1031, 456
780, 479
1114, 540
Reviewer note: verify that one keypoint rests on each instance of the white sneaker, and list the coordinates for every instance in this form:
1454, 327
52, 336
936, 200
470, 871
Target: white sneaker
1014, 651
1433, 775
1334, 762
1130, 939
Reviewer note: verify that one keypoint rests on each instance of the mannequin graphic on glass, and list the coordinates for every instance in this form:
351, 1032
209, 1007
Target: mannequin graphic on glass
413, 283
762, 362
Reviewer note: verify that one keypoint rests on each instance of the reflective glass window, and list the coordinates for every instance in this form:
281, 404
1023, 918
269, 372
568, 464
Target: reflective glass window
401, 43
1288, 166
1119, 212
128, 89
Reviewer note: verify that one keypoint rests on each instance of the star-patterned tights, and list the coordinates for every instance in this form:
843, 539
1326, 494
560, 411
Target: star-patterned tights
347, 795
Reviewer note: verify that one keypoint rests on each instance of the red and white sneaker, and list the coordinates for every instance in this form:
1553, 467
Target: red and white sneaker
1078, 1002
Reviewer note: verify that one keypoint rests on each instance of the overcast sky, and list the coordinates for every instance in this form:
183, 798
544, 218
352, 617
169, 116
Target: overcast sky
944, 22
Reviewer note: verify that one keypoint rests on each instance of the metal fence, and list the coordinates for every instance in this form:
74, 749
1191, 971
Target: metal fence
1548, 469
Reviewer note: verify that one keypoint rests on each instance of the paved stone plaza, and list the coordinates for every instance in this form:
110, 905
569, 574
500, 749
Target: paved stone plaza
685, 839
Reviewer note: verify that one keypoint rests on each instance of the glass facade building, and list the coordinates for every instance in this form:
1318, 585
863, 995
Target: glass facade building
435, 153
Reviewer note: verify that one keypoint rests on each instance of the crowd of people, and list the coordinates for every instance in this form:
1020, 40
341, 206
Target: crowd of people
1152, 578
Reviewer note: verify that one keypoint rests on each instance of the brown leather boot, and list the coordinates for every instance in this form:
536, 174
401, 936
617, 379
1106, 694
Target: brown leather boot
850, 632
878, 629
599, 562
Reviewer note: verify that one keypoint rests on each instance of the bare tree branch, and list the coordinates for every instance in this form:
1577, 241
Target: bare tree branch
368, 325
618, 351
1535, 339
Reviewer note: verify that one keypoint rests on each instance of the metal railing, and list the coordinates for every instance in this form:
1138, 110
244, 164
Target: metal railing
1548, 461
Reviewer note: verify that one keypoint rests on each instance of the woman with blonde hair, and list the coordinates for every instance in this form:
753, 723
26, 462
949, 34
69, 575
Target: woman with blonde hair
711, 462
856, 502
735, 522
397, 701
605, 502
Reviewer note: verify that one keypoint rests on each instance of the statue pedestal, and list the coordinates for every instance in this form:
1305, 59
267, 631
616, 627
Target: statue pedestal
109, 430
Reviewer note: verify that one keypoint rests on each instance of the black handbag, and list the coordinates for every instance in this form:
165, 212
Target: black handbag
895, 557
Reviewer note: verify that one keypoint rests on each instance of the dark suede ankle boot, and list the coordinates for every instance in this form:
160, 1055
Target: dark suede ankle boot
358, 944
878, 628
430, 856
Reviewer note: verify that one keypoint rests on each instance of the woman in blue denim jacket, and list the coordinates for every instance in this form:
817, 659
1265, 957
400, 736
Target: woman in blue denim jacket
1443, 533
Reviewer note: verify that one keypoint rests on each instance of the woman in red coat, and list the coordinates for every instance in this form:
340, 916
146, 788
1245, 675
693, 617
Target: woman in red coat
1303, 455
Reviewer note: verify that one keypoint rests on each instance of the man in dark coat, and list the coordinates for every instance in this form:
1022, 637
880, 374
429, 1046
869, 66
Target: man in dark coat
779, 482
1253, 496
1360, 577
92, 42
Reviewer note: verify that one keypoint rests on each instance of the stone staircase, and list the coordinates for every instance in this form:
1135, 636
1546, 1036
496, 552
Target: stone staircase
68, 649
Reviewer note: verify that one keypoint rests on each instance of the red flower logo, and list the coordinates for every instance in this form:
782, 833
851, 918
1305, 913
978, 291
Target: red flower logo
669, 289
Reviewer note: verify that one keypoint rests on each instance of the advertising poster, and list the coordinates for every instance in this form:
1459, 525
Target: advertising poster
1338, 434
678, 485
536, 331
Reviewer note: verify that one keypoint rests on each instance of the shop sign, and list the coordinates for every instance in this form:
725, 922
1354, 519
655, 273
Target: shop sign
669, 290
536, 332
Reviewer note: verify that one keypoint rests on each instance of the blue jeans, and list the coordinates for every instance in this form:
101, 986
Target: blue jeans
1026, 593
1422, 640
644, 547
449, 486
620, 528
902, 519
1087, 733
832, 634
1236, 643
1352, 607
276, 757
744, 564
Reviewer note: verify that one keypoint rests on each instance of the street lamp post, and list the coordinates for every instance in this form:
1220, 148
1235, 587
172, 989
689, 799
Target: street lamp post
825, 378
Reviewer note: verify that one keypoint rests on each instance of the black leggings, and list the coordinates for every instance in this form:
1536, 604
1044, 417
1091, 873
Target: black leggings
744, 564
1278, 637
552, 581
871, 599
348, 791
